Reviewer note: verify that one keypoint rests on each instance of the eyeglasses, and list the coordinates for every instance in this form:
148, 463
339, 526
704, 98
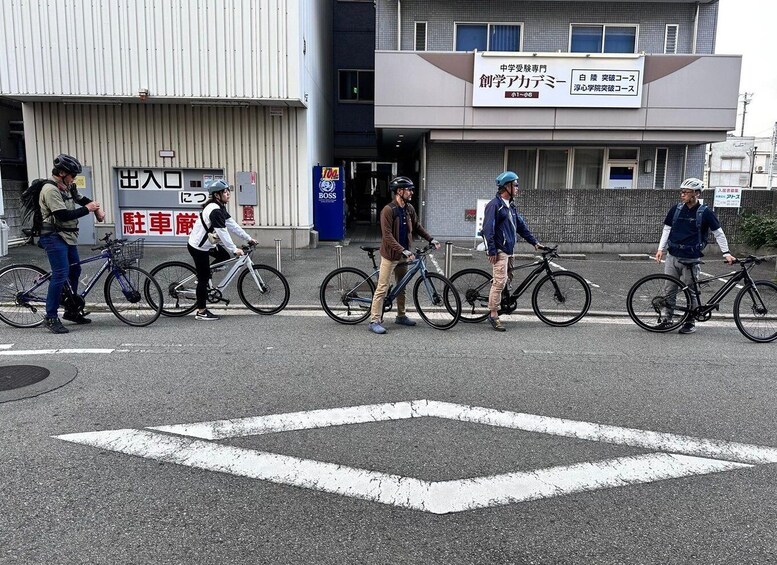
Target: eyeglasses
686, 191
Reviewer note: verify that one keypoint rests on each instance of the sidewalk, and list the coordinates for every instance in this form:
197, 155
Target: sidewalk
610, 275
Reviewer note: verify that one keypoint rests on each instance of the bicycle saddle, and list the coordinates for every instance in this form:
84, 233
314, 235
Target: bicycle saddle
369, 249
690, 262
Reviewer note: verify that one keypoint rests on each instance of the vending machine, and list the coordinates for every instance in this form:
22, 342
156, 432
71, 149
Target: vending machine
329, 208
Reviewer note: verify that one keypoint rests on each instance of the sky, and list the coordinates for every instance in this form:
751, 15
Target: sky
746, 27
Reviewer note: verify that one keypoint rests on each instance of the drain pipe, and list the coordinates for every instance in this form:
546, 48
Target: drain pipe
695, 29
399, 25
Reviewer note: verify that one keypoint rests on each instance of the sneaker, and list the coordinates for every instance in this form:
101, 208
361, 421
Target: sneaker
664, 324
77, 317
377, 328
404, 321
55, 326
206, 315
496, 323
688, 328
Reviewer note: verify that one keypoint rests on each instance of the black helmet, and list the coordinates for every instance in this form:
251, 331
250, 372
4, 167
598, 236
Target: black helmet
67, 164
400, 182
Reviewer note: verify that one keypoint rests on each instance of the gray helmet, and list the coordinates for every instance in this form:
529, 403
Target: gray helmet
67, 164
217, 185
693, 183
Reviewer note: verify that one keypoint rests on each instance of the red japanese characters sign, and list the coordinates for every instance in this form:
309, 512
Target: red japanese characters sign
157, 222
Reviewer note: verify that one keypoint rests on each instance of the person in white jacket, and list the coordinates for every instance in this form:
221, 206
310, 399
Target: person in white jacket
211, 236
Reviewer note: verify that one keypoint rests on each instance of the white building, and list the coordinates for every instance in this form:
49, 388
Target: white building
741, 161
155, 98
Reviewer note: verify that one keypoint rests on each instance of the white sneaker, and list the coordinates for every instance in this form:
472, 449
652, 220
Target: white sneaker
206, 315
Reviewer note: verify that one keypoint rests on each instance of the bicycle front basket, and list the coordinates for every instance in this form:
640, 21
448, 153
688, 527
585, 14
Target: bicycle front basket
129, 253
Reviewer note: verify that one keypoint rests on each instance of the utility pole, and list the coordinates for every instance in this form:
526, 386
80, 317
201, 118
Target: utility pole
771, 157
747, 97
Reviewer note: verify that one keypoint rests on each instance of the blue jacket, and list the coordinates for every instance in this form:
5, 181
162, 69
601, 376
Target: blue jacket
499, 232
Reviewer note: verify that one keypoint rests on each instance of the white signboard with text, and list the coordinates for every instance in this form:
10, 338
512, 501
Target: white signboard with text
728, 197
525, 81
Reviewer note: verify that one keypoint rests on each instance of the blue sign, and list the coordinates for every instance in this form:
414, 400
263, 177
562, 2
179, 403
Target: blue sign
329, 202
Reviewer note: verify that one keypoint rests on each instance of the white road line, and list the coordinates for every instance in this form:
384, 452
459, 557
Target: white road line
10, 353
718, 278
436, 265
6, 345
560, 268
408, 492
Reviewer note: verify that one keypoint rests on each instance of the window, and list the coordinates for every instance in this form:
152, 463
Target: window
735, 164
659, 170
357, 86
587, 169
420, 36
552, 168
603, 39
670, 40
488, 37
524, 163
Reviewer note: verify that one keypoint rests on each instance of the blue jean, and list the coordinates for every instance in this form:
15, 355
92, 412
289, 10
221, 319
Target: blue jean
63, 259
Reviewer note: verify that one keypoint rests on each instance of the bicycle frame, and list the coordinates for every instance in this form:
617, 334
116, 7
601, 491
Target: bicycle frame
542, 266
714, 301
413, 267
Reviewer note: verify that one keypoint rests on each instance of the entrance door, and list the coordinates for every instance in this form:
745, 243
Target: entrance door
621, 174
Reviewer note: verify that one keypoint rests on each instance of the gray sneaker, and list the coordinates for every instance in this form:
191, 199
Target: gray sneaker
404, 321
377, 328
496, 323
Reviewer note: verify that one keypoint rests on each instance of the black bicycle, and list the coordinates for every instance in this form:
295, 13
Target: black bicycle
346, 293
662, 303
130, 293
560, 298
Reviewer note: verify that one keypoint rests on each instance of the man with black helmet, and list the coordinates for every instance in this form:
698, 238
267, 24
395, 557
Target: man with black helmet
398, 223
61, 207
501, 221
685, 234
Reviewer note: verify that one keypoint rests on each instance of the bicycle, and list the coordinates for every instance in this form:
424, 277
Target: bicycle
560, 298
346, 293
262, 289
131, 293
654, 301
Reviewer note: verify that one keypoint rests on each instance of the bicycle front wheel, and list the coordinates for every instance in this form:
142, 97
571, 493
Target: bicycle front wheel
23, 296
133, 296
437, 301
346, 295
473, 286
178, 282
266, 292
755, 311
561, 299
659, 303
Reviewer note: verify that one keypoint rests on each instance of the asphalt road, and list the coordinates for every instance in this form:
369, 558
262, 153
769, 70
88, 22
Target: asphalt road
65, 502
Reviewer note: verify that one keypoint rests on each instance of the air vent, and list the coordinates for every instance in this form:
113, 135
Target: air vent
420, 36
670, 42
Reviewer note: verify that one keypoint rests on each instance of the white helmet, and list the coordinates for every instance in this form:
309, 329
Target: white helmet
693, 183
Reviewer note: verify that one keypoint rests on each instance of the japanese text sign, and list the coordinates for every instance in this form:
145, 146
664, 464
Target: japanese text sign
728, 197
550, 81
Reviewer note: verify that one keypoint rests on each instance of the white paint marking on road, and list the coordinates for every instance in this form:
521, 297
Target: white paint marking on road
658, 441
6, 345
560, 268
407, 492
718, 278
10, 353
436, 265
221, 429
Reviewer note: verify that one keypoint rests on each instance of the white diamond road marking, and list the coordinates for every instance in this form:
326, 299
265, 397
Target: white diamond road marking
191, 445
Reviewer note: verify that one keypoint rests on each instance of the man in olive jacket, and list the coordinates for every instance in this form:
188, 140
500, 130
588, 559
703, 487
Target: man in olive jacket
398, 223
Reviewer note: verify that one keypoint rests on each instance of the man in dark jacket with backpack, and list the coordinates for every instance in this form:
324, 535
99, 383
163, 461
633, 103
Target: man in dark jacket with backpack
685, 231
61, 206
501, 223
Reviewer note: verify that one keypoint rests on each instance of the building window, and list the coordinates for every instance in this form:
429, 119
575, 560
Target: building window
603, 39
524, 163
587, 168
659, 170
552, 168
420, 36
488, 37
733, 164
357, 86
670, 40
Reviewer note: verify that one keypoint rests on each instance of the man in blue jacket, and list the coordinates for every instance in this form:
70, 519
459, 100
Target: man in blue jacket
500, 224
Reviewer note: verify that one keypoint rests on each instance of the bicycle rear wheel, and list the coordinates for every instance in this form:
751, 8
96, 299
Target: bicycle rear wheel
178, 282
473, 286
659, 303
755, 311
437, 301
346, 295
20, 306
133, 296
269, 294
561, 299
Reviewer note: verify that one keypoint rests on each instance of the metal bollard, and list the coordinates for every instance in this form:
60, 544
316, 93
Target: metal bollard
339, 255
278, 254
448, 258
293, 244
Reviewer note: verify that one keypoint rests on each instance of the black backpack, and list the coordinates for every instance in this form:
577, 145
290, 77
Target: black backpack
31, 212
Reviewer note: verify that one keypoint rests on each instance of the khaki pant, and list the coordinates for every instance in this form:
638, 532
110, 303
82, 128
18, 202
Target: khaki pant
502, 275
399, 268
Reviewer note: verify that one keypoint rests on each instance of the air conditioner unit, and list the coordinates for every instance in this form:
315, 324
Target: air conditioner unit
759, 169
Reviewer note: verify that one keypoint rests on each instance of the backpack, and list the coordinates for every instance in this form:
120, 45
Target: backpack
702, 241
31, 212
